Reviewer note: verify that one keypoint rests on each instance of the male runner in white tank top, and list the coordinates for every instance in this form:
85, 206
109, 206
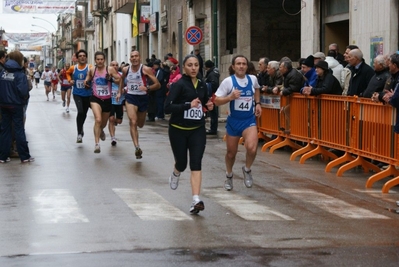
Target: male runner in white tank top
137, 95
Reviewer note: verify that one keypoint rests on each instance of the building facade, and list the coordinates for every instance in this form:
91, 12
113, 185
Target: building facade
253, 28
371, 25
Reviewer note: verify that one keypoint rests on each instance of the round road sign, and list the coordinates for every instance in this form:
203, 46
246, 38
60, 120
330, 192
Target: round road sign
193, 35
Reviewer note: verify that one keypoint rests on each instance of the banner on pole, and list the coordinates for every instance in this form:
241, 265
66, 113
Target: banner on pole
38, 7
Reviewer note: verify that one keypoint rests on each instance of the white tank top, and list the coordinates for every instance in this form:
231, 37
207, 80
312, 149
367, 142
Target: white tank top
133, 81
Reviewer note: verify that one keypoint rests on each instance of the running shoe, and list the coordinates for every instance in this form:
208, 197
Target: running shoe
53, 97
79, 139
67, 110
6, 160
97, 148
63, 103
113, 143
173, 181
247, 178
138, 153
228, 184
28, 160
102, 135
196, 207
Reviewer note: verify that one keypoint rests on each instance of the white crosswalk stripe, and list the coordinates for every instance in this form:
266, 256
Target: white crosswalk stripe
149, 205
56, 206
244, 207
332, 205
59, 206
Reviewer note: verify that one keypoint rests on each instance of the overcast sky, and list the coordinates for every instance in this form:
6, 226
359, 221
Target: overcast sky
22, 23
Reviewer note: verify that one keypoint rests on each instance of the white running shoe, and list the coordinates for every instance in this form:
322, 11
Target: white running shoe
228, 184
173, 181
97, 148
247, 178
67, 110
196, 207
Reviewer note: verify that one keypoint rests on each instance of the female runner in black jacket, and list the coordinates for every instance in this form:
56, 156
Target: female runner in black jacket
185, 102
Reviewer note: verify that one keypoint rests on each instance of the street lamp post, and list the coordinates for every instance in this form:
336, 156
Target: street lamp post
47, 22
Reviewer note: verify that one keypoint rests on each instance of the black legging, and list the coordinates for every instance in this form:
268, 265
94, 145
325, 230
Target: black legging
82, 105
192, 140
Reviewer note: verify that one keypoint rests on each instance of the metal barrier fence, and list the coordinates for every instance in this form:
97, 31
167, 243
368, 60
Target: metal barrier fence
360, 128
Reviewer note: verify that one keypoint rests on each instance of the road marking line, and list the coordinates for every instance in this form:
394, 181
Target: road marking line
244, 207
57, 206
333, 205
149, 205
374, 191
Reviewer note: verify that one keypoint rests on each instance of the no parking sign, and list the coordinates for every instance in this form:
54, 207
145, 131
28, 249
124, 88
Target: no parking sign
193, 35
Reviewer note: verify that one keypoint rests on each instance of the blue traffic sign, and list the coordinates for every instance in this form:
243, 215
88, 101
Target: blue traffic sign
193, 35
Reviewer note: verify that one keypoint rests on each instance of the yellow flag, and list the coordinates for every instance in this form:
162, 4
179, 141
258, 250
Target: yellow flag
134, 21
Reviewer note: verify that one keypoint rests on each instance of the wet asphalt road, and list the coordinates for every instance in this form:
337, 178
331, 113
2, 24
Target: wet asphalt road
72, 207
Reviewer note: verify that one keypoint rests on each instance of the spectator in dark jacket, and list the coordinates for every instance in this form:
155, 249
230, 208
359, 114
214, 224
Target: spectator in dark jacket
212, 82
13, 96
293, 81
160, 94
275, 78
391, 93
309, 71
361, 73
2, 59
263, 76
201, 63
326, 83
377, 82
338, 56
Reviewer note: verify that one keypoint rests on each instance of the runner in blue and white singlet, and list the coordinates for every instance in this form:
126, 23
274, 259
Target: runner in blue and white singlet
76, 76
242, 93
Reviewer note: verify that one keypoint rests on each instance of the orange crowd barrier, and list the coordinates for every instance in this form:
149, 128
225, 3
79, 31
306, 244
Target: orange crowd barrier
360, 128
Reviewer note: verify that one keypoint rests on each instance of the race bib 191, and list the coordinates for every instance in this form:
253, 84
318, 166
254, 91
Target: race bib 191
80, 84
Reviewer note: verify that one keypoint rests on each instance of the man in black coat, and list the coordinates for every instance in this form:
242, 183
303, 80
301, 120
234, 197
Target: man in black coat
212, 82
361, 73
263, 76
377, 82
292, 82
326, 83
160, 94
201, 63
339, 57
